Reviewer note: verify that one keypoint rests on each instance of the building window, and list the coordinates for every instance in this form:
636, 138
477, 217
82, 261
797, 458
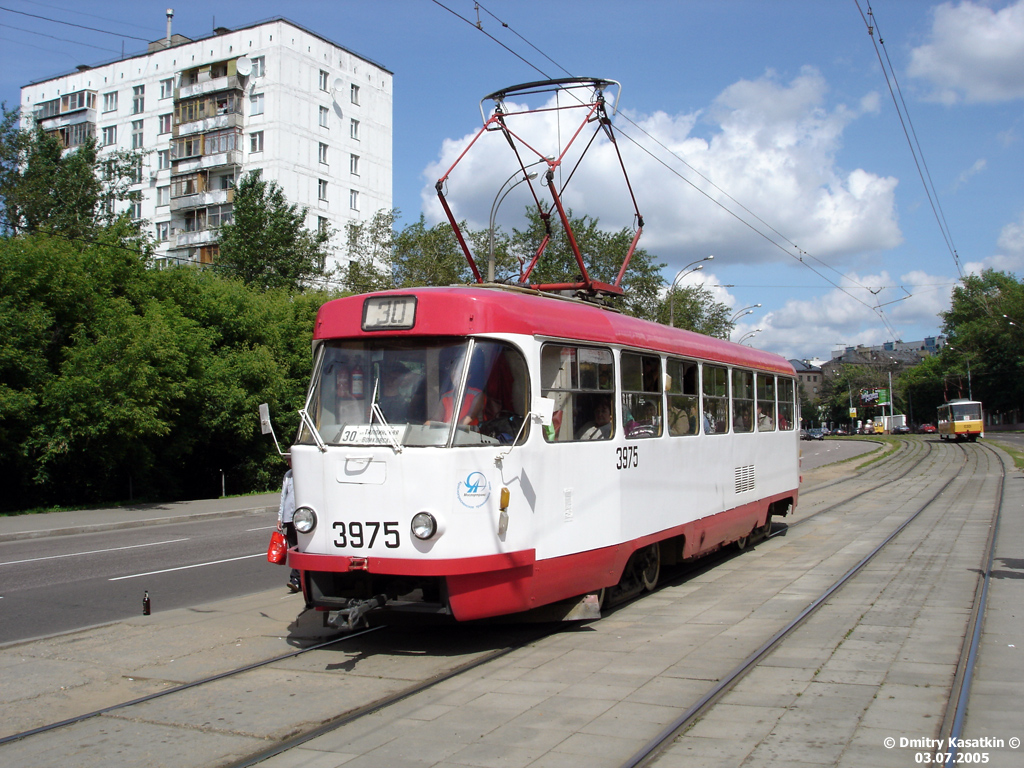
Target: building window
256, 104
353, 200
138, 99
353, 129
163, 195
354, 93
323, 81
110, 102
135, 211
165, 123
323, 153
259, 66
136, 171
353, 164
136, 134
324, 116
163, 159
256, 141
322, 189
167, 88
110, 135
163, 231
322, 224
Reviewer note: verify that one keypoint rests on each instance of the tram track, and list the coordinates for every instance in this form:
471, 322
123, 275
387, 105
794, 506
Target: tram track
959, 692
912, 460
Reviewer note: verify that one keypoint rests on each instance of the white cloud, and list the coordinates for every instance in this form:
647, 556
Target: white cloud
979, 165
770, 145
813, 327
975, 53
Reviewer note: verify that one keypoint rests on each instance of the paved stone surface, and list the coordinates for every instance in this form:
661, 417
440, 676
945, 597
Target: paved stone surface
871, 664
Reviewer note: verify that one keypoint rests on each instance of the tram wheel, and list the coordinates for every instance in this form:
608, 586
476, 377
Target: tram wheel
741, 542
649, 566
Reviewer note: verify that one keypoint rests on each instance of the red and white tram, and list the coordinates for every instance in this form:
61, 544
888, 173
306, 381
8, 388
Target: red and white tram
479, 451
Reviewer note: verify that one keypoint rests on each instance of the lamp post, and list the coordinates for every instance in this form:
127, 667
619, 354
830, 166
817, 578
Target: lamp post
745, 311
970, 391
748, 334
498, 198
675, 281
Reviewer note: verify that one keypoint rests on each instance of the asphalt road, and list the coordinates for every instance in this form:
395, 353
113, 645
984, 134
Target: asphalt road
60, 583
818, 453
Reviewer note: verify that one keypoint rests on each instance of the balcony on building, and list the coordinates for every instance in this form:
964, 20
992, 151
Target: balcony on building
209, 78
203, 199
72, 117
208, 113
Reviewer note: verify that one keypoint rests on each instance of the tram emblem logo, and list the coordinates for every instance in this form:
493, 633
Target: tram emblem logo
474, 490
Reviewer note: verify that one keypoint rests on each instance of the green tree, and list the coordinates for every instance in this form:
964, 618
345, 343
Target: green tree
268, 245
602, 253
694, 308
44, 187
369, 246
980, 336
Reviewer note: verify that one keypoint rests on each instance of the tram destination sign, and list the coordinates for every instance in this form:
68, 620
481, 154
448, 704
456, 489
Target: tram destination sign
389, 313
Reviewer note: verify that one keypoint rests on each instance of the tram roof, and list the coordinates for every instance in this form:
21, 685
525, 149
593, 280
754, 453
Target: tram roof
467, 311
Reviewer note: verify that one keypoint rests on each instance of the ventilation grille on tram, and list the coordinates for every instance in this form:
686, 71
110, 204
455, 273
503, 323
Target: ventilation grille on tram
745, 478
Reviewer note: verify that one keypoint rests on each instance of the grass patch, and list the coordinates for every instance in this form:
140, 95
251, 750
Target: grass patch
118, 504
1015, 453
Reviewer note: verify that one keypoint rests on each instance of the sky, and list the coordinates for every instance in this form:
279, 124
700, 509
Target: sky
762, 133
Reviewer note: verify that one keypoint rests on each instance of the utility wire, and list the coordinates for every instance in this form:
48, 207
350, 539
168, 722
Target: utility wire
911, 135
60, 39
799, 256
69, 24
90, 15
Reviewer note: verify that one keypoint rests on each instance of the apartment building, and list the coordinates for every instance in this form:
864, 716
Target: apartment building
314, 116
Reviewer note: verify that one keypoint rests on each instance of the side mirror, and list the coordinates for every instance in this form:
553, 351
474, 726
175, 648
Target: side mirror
543, 410
265, 427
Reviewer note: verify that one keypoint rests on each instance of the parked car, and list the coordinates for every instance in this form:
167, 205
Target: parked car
927, 429
815, 434
840, 432
902, 430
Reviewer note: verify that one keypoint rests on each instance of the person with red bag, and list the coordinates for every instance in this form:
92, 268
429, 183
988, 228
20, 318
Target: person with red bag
284, 520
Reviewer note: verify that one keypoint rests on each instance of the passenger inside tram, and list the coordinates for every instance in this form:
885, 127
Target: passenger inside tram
600, 426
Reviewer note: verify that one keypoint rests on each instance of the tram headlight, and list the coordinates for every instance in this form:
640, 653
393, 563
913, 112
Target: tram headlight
304, 519
424, 525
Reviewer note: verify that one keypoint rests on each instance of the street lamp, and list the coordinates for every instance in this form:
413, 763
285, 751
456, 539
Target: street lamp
745, 311
675, 281
748, 334
498, 198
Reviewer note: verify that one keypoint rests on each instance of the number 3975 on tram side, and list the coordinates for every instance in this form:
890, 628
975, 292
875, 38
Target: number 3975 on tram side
478, 451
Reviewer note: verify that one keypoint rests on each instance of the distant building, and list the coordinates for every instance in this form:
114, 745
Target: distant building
810, 377
930, 345
314, 116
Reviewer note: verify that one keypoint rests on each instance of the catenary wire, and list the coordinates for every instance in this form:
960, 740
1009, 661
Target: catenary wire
911, 135
70, 24
801, 256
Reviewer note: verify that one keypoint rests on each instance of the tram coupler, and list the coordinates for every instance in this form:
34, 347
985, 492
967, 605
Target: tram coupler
354, 615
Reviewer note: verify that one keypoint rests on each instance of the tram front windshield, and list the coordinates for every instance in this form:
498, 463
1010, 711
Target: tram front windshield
392, 391
966, 411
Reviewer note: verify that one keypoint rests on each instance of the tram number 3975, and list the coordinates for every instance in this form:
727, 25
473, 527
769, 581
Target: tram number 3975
359, 535
629, 457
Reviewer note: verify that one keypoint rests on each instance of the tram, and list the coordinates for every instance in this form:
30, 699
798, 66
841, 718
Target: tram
479, 451
491, 449
961, 419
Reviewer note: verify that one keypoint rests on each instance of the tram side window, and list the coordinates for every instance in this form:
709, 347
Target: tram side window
683, 397
716, 400
641, 395
494, 402
742, 400
581, 381
765, 403
786, 404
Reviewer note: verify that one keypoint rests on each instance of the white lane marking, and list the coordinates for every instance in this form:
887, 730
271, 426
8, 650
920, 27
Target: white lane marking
264, 528
92, 552
184, 567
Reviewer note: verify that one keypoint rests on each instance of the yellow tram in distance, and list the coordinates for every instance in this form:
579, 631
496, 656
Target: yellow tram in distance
961, 420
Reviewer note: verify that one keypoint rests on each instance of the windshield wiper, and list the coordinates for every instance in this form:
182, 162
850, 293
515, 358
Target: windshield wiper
389, 431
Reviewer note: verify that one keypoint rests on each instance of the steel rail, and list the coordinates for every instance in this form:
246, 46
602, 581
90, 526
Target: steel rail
179, 688
653, 747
